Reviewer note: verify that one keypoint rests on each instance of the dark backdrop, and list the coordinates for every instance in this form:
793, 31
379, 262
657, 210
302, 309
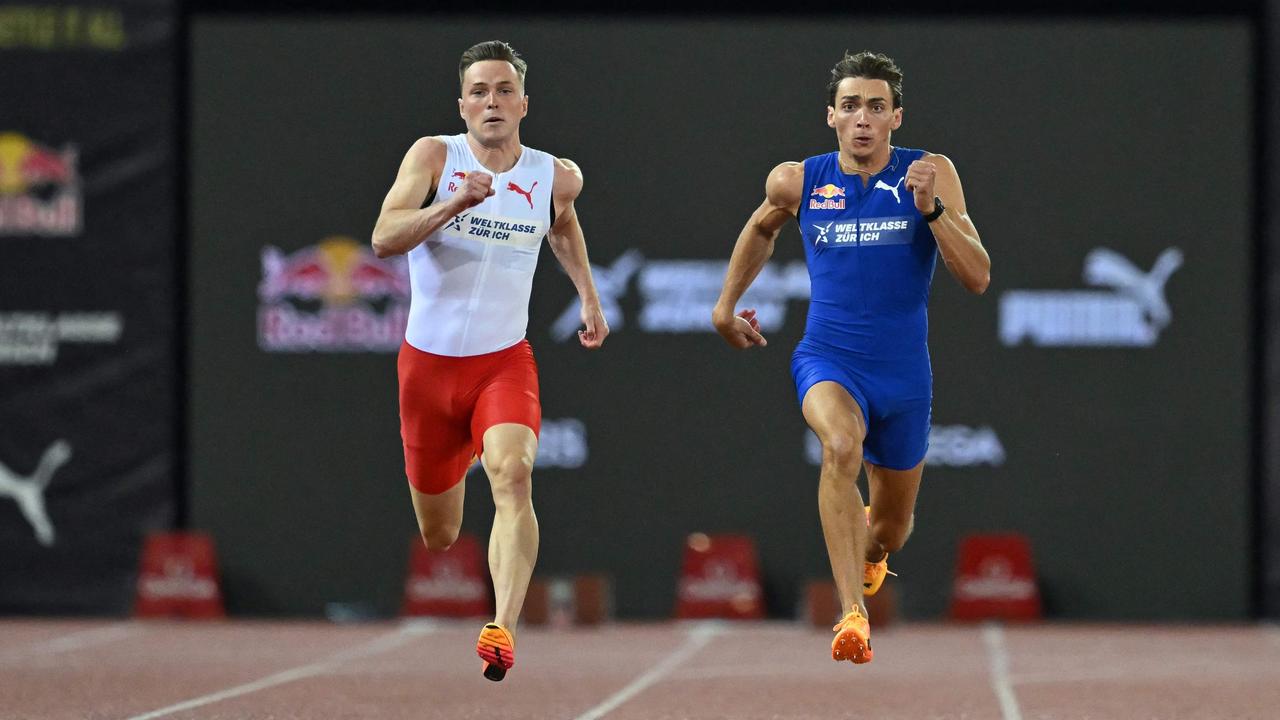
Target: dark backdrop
1127, 466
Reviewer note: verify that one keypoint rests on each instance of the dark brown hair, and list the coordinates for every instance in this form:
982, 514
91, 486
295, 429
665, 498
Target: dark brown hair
866, 64
492, 50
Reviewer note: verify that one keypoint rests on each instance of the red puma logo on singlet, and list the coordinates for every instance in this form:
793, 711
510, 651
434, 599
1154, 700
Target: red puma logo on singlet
528, 194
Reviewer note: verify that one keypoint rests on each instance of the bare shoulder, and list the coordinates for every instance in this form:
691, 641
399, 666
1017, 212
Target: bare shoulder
427, 152
940, 161
568, 179
784, 185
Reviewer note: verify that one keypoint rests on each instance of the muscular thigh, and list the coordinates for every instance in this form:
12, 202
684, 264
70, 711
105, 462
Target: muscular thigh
832, 413
508, 396
442, 509
436, 435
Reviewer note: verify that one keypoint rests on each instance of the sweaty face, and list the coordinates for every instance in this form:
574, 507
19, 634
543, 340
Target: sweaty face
863, 116
493, 101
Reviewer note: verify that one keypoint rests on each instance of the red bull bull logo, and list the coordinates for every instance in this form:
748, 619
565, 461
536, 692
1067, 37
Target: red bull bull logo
828, 193
39, 188
334, 296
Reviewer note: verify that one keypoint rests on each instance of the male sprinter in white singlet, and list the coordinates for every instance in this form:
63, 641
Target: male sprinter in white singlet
471, 211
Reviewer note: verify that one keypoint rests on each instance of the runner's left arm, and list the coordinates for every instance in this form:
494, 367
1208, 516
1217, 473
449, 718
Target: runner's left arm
958, 242
570, 248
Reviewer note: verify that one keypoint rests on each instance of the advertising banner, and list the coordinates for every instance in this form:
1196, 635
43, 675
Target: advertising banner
87, 304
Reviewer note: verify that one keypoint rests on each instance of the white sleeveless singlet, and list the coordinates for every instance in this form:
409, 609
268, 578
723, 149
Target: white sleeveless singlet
471, 278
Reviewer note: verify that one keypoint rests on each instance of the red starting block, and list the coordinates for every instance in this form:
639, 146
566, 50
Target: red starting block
451, 583
178, 577
995, 578
720, 578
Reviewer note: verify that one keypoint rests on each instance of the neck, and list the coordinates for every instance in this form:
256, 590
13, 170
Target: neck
497, 158
864, 166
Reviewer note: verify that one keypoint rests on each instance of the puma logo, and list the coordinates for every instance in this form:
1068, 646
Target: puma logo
528, 195
28, 492
1110, 268
881, 185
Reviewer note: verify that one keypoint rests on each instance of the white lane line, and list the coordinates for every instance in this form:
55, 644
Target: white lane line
698, 638
74, 641
998, 663
380, 644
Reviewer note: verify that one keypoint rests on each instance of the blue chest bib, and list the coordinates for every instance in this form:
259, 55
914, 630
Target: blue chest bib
871, 258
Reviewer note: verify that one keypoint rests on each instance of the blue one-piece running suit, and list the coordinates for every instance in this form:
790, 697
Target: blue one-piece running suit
871, 258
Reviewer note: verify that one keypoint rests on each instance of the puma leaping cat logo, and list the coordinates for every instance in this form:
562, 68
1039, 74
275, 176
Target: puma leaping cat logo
28, 492
882, 185
1110, 268
528, 195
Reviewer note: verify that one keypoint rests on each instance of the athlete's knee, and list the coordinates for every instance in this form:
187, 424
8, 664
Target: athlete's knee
512, 479
440, 536
891, 534
841, 450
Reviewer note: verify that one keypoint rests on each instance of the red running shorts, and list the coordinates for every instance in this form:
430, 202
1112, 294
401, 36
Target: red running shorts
447, 403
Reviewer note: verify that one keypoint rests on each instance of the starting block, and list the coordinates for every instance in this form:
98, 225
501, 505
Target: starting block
564, 601
178, 577
451, 583
995, 579
820, 605
720, 578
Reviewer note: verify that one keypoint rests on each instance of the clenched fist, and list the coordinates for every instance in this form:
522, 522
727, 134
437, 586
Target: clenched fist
920, 177
474, 189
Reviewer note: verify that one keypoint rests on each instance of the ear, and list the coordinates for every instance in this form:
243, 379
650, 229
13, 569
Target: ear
524, 106
831, 117
460, 113
897, 119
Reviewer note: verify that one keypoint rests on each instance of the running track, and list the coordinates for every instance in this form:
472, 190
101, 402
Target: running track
80, 669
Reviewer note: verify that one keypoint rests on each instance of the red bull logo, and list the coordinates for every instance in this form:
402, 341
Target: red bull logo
828, 193
39, 188
334, 296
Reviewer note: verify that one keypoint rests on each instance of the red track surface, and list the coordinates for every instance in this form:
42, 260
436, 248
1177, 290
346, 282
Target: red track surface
238, 669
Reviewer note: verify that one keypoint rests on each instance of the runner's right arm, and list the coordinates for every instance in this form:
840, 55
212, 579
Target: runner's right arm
403, 222
782, 193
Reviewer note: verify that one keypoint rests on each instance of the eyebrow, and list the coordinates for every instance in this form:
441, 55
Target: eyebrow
859, 97
500, 82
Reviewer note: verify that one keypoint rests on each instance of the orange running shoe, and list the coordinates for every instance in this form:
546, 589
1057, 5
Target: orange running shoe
873, 572
853, 638
497, 648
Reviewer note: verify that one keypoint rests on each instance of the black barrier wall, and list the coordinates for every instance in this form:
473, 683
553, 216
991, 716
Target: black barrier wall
1094, 399
87, 314
1268, 515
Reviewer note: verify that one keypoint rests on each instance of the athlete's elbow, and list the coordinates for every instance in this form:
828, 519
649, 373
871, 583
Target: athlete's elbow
382, 247
979, 285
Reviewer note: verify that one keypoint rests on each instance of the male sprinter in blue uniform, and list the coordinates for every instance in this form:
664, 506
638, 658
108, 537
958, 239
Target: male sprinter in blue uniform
873, 218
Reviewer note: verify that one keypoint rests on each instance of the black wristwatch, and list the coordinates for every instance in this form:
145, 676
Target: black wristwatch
938, 207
